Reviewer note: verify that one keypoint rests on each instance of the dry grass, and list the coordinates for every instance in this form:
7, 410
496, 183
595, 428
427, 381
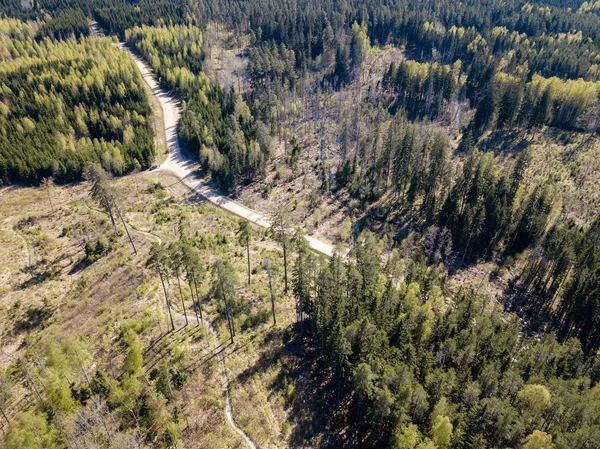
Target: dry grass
92, 302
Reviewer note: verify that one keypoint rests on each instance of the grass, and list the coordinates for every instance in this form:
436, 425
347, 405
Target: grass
64, 298
158, 125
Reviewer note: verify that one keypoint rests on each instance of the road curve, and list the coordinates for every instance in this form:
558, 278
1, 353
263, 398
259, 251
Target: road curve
184, 169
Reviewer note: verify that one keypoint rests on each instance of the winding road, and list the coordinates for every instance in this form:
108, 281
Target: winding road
184, 169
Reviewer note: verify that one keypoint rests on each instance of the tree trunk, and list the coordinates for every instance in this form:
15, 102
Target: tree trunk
181, 295
50, 200
111, 215
248, 254
194, 302
301, 318
272, 299
227, 311
168, 383
468, 243
285, 276
4, 414
229, 318
300, 298
166, 297
37, 392
198, 297
126, 229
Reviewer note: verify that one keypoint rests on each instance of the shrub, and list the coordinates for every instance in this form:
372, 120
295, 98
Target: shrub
98, 249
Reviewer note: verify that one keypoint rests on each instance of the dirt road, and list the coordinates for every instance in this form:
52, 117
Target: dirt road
184, 169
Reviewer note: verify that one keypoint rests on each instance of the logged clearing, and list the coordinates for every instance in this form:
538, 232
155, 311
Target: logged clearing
64, 297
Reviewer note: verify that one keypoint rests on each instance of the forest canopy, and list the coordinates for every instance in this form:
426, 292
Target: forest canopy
64, 103
216, 124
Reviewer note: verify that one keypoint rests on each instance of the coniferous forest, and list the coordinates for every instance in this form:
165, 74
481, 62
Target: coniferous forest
448, 151
66, 103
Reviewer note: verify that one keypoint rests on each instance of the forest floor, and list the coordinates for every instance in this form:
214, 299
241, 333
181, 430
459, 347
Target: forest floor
297, 186
65, 297
225, 57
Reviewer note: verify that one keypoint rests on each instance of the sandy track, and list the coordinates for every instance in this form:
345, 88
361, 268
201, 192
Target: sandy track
218, 350
184, 169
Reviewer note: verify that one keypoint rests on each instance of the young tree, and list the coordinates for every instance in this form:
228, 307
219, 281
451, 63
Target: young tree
346, 231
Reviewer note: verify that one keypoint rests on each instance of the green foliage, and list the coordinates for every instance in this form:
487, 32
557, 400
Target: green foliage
94, 251
215, 124
463, 375
135, 358
441, 432
422, 89
66, 103
29, 430
538, 440
67, 23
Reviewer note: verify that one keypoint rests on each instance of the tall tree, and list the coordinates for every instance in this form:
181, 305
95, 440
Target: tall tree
280, 230
224, 287
158, 261
106, 195
193, 268
244, 233
269, 270
176, 257
300, 276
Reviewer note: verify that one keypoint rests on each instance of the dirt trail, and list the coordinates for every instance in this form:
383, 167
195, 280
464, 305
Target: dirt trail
28, 247
217, 347
219, 351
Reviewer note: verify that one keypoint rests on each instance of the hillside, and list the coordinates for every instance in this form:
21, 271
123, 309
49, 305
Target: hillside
365, 224
68, 317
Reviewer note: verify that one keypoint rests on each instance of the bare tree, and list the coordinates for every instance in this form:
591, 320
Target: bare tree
47, 184
269, 270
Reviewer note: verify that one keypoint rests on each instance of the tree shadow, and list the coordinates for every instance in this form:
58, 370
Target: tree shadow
79, 266
310, 397
32, 319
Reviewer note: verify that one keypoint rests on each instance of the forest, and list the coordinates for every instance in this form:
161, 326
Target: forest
420, 373
455, 145
216, 125
66, 103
